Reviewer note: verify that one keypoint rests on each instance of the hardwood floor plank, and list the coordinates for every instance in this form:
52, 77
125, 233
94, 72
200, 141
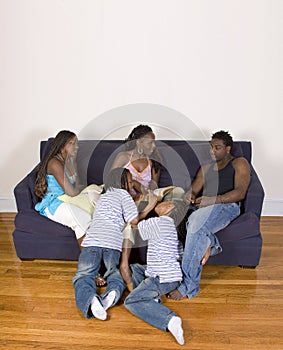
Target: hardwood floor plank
236, 308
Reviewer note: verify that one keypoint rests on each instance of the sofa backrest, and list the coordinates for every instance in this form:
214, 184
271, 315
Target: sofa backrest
180, 159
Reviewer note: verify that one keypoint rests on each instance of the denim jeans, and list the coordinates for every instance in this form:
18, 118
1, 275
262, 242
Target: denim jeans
145, 300
202, 225
88, 266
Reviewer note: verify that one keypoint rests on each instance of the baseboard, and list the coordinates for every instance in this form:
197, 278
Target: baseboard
271, 207
8, 205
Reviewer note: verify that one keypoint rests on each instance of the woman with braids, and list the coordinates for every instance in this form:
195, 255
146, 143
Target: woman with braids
141, 158
144, 162
57, 175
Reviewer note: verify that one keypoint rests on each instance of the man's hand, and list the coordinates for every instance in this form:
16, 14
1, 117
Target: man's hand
189, 198
204, 201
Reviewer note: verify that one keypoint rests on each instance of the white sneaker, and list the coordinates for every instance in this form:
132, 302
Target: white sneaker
97, 309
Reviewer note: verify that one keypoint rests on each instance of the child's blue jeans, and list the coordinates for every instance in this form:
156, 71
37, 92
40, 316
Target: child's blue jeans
88, 266
145, 300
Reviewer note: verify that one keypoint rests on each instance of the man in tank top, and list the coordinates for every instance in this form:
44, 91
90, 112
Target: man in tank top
216, 192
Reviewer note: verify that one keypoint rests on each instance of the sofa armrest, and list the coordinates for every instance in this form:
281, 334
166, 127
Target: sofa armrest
22, 195
255, 195
23, 192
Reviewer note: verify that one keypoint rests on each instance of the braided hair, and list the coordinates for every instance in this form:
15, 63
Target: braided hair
137, 133
117, 178
59, 142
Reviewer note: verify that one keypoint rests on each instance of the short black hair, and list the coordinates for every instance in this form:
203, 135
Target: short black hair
224, 136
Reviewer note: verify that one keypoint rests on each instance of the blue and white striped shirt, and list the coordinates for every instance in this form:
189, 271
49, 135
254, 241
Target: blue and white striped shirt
114, 208
164, 249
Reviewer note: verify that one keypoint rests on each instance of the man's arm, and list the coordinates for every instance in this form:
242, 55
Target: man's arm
196, 185
241, 184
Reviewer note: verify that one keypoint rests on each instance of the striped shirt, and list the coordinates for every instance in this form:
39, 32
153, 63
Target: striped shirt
164, 249
113, 210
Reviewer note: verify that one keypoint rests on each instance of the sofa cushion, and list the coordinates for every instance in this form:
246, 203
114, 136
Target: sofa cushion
237, 151
244, 226
175, 156
33, 222
101, 159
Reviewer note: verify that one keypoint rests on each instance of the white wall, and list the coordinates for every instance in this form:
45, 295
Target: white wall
64, 63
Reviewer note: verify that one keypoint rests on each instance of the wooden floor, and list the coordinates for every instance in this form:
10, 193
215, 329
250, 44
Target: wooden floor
236, 308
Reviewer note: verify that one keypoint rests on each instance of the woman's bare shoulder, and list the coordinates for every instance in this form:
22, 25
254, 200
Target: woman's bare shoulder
54, 165
121, 159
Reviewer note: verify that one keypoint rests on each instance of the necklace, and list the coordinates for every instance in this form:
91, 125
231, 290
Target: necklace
60, 158
71, 173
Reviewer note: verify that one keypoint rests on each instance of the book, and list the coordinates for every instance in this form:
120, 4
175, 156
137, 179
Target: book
162, 191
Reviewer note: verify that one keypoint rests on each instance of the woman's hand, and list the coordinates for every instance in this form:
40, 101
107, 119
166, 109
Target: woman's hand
152, 185
144, 190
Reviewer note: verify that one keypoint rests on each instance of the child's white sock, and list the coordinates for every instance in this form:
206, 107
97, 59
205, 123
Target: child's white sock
108, 300
97, 309
175, 327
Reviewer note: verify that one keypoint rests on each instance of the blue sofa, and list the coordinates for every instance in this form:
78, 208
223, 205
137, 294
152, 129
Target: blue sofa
37, 237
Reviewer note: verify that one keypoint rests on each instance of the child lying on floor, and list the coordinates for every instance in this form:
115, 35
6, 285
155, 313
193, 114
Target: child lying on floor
162, 273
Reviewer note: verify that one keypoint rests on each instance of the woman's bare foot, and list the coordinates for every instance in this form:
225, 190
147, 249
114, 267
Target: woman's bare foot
175, 295
100, 281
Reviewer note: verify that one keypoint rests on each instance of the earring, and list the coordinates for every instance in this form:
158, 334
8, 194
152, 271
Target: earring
140, 151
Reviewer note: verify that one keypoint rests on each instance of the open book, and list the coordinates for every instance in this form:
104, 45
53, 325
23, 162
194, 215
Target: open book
162, 191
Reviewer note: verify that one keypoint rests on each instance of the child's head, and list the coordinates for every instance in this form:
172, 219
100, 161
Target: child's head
119, 178
175, 209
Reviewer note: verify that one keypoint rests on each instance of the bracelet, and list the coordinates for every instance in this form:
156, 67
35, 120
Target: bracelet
221, 200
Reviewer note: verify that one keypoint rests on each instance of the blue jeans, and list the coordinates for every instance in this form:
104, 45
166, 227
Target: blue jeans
145, 300
88, 266
202, 225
